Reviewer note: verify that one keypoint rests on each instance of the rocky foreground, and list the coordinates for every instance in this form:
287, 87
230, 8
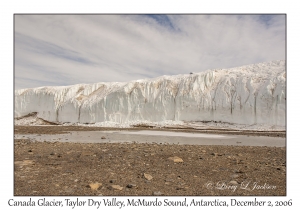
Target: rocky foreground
56, 168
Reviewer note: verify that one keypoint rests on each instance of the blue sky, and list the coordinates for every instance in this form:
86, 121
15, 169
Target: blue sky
54, 50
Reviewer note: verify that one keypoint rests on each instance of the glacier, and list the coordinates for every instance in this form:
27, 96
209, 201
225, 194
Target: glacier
250, 94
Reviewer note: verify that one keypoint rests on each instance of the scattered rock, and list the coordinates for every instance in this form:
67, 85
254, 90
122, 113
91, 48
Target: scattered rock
238, 171
131, 186
87, 153
157, 193
234, 176
148, 176
70, 174
94, 186
147, 181
233, 182
24, 162
176, 159
115, 187
103, 137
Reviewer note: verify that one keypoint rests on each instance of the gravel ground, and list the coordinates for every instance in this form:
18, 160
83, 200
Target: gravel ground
64, 129
56, 168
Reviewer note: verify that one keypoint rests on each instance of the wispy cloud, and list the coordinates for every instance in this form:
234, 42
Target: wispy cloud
71, 49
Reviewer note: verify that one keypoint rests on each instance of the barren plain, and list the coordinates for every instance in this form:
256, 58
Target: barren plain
144, 169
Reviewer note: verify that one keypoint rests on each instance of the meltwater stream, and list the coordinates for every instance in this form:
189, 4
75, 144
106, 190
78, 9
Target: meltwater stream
158, 137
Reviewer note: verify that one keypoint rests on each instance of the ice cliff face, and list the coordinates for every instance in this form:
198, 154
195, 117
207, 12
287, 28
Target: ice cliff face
253, 94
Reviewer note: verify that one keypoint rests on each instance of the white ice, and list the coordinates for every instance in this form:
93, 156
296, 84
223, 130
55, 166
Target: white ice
251, 95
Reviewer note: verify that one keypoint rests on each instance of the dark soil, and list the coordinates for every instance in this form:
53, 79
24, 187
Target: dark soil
55, 129
56, 168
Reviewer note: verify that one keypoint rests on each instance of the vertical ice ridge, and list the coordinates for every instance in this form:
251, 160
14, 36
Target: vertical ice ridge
247, 95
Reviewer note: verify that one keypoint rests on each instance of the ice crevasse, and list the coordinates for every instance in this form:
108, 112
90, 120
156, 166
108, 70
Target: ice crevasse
252, 94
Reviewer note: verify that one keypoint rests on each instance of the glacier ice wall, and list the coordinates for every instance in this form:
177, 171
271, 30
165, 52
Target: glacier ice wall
253, 94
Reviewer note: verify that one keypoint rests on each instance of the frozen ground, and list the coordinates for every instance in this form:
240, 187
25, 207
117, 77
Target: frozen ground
160, 137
